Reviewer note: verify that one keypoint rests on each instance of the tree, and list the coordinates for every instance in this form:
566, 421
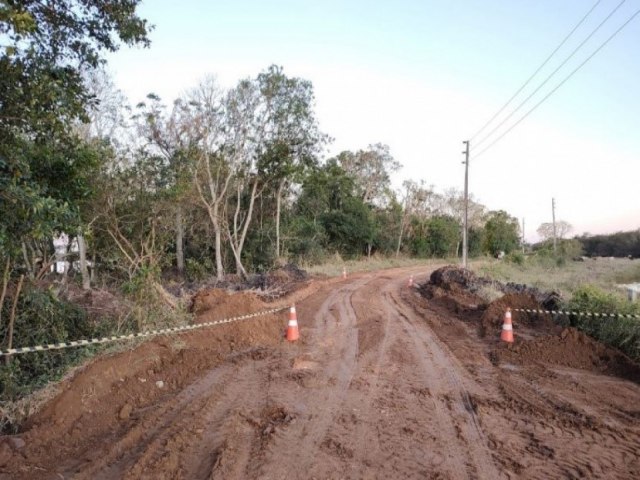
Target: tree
291, 138
442, 235
563, 228
501, 232
168, 134
212, 170
371, 170
416, 202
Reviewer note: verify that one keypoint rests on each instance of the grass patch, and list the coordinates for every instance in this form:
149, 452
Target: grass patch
622, 333
334, 266
545, 274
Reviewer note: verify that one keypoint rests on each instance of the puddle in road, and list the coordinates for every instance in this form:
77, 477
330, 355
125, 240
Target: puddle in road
509, 366
302, 364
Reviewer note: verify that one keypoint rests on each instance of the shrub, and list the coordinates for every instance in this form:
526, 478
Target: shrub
197, 271
622, 333
42, 319
516, 258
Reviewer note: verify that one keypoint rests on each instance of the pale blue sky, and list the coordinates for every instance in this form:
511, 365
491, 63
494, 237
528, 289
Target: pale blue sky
422, 76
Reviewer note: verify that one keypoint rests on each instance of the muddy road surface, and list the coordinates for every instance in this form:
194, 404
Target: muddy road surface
382, 384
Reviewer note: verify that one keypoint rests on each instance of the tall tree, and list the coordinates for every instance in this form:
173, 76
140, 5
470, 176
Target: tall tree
502, 232
545, 230
371, 170
169, 135
291, 138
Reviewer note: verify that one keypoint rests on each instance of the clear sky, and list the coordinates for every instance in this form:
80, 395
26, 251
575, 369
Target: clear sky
421, 76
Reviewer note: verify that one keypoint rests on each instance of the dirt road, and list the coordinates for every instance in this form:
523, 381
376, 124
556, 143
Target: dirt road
383, 384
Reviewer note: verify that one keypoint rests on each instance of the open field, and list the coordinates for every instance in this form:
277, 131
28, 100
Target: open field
603, 273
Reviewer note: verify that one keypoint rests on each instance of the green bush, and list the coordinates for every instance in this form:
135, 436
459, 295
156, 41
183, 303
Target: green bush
516, 258
42, 319
622, 333
198, 270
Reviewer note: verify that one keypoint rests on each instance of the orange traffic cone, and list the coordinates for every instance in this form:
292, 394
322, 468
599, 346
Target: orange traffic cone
344, 272
507, 328
410, 281
292, 330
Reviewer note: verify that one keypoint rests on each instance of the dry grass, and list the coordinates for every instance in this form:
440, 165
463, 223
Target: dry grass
333, 268
603, 273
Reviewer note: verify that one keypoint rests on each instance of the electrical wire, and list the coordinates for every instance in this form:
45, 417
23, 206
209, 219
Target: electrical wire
560, 84
564, 62
536, 72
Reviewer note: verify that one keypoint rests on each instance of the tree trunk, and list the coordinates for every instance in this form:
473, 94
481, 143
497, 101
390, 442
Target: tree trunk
400, 238
237, 243
179, 240
278, 204
218, 245
12, 318
94, 269
5, 284
27, 264
84, 270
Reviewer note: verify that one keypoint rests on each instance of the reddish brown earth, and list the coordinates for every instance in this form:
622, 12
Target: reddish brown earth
383, 384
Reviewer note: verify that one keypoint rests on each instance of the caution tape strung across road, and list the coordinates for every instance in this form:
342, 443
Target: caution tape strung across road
132, 336
578, 314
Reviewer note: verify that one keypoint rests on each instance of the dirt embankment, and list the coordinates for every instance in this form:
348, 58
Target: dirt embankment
121, 385
538, 339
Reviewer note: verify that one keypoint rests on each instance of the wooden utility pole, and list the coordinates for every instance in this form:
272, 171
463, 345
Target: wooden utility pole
553, 216
466, 203
523, 235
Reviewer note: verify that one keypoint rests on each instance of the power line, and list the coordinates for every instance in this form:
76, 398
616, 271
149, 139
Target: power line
559, 85
536, 72
564, 62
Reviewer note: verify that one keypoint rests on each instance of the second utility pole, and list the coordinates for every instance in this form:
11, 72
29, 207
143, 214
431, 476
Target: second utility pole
466, 203
553, 216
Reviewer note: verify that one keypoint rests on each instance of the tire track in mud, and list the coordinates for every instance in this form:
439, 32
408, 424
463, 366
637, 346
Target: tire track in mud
548, 435
333, 344
465, 438
147, 445
540, 423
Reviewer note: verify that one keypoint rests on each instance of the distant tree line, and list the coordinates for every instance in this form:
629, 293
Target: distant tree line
621, 244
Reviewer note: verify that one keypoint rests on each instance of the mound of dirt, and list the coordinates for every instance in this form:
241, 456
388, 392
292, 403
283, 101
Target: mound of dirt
115, 384
546, 300
452, 287
453, 278
456, 279
571, 348
493, 316
215, 304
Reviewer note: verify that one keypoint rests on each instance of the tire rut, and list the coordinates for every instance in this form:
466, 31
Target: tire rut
451, 399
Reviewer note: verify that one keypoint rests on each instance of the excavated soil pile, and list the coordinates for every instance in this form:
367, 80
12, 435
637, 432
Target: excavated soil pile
215, 304
123, 384
571, 348
546, 300
454, 288
465, 285
493, 316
